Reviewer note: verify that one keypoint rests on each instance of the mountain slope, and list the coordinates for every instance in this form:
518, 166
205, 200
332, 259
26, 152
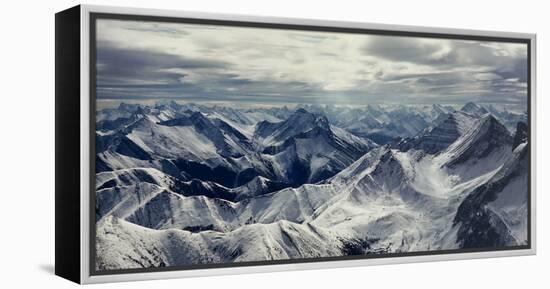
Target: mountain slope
485, 147
495, 214
474, 109
124, 245
441, 136
307, 148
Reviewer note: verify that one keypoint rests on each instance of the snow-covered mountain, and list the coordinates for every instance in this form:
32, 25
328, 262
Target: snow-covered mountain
508, 118
229, 150
496, 213
485, 146
383, 124
189, 184
307, 148
474, 109
435, 139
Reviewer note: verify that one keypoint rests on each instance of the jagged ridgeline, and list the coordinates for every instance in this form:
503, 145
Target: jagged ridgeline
182, 184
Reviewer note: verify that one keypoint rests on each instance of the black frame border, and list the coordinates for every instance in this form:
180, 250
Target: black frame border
68, 227
94, 16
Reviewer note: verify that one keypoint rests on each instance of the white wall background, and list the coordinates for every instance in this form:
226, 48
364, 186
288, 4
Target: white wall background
27, 143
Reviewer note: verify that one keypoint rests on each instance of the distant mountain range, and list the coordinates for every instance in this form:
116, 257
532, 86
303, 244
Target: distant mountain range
180, 184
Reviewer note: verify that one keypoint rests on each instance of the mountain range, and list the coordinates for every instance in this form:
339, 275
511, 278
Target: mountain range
183, 184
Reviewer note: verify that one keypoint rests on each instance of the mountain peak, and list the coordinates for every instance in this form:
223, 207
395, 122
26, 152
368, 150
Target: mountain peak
167, 103
196, 118
486, 137
437, 106
322, 122
494, 124
299, 123
441, 136
440, 109
129, 107
174, 104
469, 105
304, 121
141, 110
474, 108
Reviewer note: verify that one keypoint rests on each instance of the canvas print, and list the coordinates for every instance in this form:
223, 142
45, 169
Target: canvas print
222, 144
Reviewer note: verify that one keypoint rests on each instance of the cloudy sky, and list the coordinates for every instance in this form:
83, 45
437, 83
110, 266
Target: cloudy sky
145, 61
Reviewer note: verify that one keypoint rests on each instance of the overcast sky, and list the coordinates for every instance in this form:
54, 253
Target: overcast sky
151, 60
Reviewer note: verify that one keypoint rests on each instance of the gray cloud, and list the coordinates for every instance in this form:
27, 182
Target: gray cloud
140, 60
457, 70
139, 74
128, 65
127, 73
403, 49
450, 53
517, 69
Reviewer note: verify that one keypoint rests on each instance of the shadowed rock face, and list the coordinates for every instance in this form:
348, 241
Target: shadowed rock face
121, 144
441, 136
479, 226
106, 125
488, 136
474, 109
215, 133
521, 134
305, 136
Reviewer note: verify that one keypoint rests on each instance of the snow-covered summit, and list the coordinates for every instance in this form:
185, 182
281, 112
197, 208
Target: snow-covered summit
441, 136
474, 109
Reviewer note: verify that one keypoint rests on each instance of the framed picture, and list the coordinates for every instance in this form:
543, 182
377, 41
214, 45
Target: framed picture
192, 144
